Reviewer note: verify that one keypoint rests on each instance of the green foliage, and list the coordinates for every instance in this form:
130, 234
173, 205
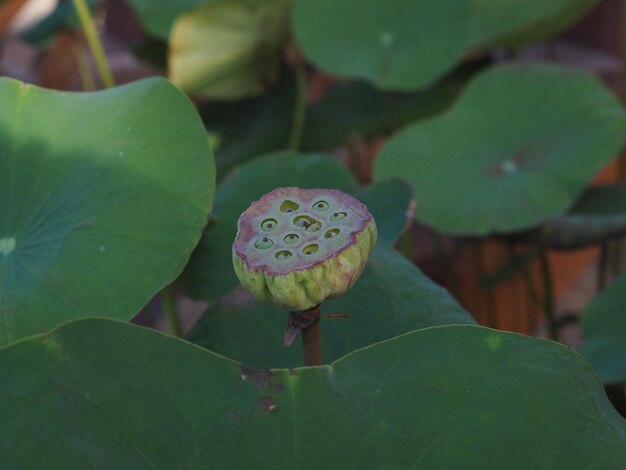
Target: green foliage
350, 110
395, 44
228, 49
390, 202
97, 214
158, 16
527, 139
103, 197
404, 45
250, 127
353, 109
598, 216
512, 23
604, 328
427, 399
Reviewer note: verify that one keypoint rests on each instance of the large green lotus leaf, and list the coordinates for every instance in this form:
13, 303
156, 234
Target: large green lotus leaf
158, 16
512, 22
228, 49
251, 127
102, 198
106, 394
210, 273
598, 216
391, 297
357, 109
518, 148
604, 328
395, 44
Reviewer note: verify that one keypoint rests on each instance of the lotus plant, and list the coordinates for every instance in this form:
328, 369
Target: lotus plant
297, 247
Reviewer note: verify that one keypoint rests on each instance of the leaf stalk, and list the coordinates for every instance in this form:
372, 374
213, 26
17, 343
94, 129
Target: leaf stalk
89, 28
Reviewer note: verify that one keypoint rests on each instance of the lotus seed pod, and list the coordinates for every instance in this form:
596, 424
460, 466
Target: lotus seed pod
296, 247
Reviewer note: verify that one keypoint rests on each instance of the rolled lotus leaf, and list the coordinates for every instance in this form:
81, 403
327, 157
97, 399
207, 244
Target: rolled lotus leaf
296, 247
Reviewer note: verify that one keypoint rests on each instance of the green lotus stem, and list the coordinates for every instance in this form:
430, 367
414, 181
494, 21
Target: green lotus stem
89, 28
168, 304
306, 322
299, 112
311, 343
548, 287
87, 79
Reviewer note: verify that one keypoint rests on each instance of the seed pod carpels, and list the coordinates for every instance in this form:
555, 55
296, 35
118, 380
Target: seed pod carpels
296, 247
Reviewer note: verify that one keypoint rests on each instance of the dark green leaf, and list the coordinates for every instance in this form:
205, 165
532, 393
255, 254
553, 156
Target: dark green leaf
158, 16
390, 298
518, 148
251, 127
102, 198
604, 327
355, 108
105, 394
392, 205
598, 216
607, 200
512, 22
394, 44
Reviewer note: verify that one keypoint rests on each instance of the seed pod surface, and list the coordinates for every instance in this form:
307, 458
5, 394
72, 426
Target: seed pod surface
296, 247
